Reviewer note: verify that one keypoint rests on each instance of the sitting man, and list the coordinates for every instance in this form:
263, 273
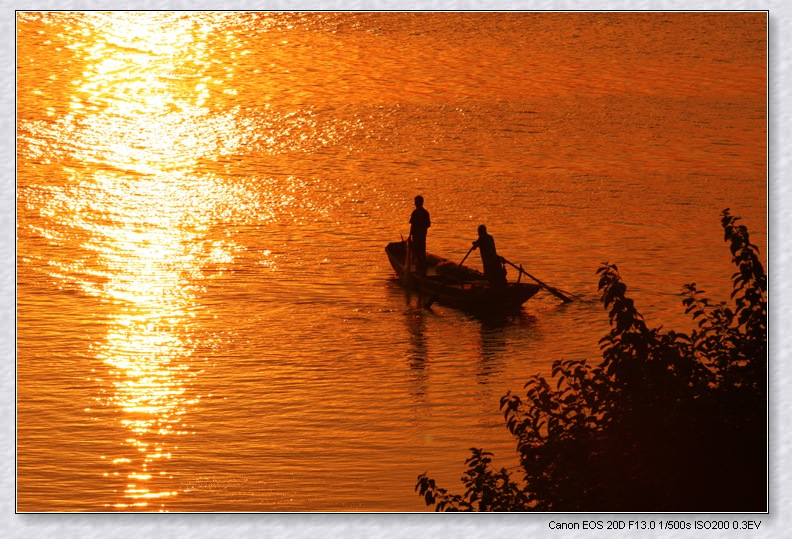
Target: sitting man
494, 270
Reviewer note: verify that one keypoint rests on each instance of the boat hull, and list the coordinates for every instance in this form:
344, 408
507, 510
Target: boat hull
459, 287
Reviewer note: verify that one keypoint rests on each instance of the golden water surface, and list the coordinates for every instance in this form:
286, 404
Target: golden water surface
206, 320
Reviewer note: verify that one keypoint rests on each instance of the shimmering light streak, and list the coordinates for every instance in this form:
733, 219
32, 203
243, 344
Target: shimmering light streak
136, 212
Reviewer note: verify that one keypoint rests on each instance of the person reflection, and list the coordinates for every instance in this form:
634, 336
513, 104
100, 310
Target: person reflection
416, 326
419, 225
491, 346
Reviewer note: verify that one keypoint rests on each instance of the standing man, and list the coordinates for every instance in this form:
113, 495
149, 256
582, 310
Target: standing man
493, 265
419, 225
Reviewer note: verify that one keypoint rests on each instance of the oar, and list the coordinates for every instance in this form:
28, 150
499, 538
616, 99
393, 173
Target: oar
550, 289
437, 292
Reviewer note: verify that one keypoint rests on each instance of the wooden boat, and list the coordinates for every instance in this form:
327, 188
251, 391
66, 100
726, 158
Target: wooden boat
458, 286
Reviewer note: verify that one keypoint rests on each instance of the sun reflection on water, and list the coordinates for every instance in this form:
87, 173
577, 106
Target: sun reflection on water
134, 129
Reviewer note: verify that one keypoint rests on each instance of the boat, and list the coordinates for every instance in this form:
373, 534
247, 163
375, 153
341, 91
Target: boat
457, 286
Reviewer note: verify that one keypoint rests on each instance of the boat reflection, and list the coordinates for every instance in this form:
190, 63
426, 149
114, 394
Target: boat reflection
494, 330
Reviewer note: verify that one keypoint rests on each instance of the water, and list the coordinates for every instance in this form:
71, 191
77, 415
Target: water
206, 319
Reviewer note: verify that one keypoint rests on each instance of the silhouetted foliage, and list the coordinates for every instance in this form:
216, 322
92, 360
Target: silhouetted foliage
667, 421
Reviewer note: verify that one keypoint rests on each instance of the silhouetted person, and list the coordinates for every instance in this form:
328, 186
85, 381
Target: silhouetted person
493, 264
419, 225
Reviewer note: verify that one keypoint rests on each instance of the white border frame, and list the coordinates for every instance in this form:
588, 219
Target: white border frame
392, 525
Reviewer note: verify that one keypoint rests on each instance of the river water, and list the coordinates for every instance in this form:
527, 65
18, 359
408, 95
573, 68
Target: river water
206, 319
